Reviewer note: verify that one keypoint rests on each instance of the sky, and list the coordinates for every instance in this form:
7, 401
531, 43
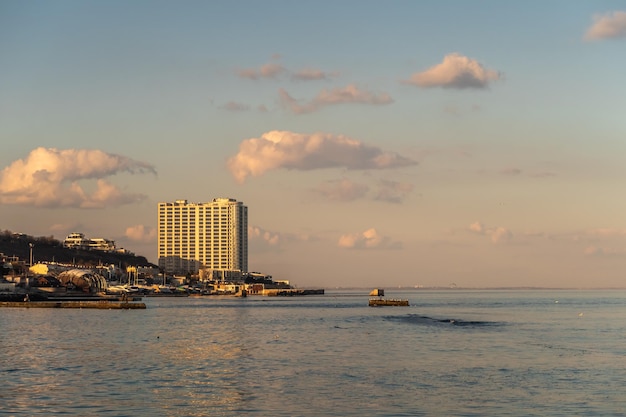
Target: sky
376, 144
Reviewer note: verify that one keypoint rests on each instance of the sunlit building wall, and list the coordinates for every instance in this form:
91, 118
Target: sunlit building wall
210, 235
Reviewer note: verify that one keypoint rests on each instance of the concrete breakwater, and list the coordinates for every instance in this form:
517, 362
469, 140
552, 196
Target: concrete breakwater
387, 302
103, 305
289, 292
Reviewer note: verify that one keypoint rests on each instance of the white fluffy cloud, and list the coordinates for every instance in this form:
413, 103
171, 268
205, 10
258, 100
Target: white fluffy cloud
369, 239
498, 235
284, 149
607, 26
141, 233
348, 94
50, 177
456, 71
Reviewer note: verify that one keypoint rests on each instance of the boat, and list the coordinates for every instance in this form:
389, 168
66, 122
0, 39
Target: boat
381, 301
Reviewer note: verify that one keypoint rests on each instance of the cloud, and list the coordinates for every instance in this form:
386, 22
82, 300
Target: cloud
309, 74
511, 172
141, 233
604, 242
348, 94
264, 239
607, 232
369, 239
270, 70
342, 190
348, 190
517, 172
611, 25
49, 177
273, 70
501, 235
604, 252
477, 227
498, 235
284, 149
271, 238
393, 191
235, 107
456, 71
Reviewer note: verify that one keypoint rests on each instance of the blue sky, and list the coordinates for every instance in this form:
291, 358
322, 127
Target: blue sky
375, 144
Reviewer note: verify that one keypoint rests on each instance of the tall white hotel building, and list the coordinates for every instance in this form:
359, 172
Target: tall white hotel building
203, 235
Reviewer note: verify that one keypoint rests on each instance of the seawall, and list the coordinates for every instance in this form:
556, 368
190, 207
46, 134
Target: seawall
103, 305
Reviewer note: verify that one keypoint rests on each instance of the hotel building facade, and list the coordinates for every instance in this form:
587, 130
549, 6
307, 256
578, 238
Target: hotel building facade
208, 236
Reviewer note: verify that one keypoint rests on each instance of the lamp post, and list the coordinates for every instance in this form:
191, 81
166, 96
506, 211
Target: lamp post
29, 265
31, 254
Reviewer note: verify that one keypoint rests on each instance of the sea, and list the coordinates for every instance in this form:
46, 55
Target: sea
452, 352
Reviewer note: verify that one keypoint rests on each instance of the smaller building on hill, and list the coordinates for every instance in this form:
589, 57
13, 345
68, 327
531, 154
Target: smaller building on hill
76, 241
79, 241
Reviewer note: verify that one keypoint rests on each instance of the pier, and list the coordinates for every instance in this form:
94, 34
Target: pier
381, 302
290, 292
102, 305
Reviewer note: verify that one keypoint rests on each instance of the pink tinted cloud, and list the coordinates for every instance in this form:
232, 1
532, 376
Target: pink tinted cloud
304, 152
270, 70
50, 177
497, 235
456, 71
369, 239
342, 190
311, 74
610, 25
393, 191
271, 238
235, 106
141, 233
604, 252
348, 94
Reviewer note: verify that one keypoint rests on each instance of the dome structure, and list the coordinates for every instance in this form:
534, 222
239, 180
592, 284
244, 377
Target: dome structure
45, 281
83, 279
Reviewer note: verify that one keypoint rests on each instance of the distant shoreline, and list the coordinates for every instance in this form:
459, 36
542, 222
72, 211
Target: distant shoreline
390, 288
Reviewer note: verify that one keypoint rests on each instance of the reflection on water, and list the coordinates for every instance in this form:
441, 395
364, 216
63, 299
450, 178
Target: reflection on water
450, 353
429, 321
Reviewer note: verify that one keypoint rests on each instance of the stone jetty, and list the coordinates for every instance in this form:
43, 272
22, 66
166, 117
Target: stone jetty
101, 304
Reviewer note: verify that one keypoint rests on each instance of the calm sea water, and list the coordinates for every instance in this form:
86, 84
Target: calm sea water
451, 353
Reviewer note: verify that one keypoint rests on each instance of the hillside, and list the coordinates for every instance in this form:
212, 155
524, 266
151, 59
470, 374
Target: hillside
47, 248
